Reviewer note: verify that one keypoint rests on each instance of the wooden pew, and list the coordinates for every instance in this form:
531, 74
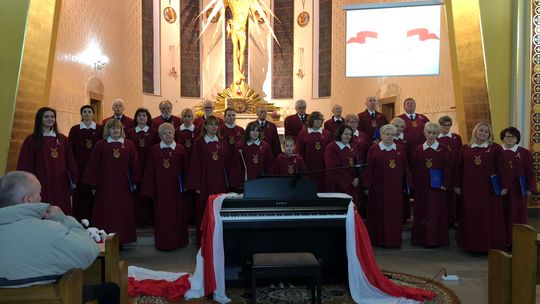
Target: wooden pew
68, 290
499, 277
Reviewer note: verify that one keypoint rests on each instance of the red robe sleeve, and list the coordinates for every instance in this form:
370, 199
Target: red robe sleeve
195, 166
91, 172
236, 168
448, 168
368, 172
27, 156
504, 177
268, 160
334, 177
529, 171
71, 164
134, 167
147, 184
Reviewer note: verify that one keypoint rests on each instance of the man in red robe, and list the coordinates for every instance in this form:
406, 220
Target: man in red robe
296, 122
335, 121
165, 107
229, 131
414, 123
208, 108
118, 113
370, 119
269, 129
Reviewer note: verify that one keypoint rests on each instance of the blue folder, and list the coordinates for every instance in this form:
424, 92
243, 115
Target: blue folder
436, 178
496, 184
523, 185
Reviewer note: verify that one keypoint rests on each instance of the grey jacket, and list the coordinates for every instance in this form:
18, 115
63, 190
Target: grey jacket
33, 249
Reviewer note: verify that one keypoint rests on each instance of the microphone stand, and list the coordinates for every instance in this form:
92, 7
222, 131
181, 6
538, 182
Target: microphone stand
244, 163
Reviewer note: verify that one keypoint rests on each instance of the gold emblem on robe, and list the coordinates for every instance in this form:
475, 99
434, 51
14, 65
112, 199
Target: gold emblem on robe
392, 163
317, 145
188, 143
510, 164
116, 153
166, 163
351, 161
414, 124
215, 155
231, 140
478, 160
54, 152
263, 135
88, 144
290, 169
429, 163
142, 143
373, 124
255, 158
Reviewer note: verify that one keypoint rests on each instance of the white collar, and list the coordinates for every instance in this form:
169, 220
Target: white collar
401, 136
449, 134
262, 121
110, 140
91, 126
409, 115
385, 148
342, 145
166, 117
183, 127
118, 117
337, 119
434, 146
356, 133
311, 130
371, 112
300, 116
230, 126
208, 139
163, 145
513, 149
51, 133
483, 145
256, 141
138, 129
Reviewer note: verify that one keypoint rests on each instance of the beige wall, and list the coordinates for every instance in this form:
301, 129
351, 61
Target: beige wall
434, 95
116, 27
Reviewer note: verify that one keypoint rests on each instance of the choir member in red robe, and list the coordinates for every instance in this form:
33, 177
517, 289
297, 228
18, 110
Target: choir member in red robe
370, 119
113, 171
270, 134
430, 221
82, 139
453, 141
338, 156
296, 122
165, 107
481, 219
400, 138
230, 132
385, 179
518, 165
288, 163
186, 135
311, 144
162, 181
251, 158
118, 113
336, 120
414, 122
207, 174
144, 136
208, 108
47, 155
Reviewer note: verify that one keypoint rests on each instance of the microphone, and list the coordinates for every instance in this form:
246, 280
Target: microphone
244, 163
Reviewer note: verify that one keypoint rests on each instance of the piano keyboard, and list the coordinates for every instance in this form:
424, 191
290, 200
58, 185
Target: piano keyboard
243, 217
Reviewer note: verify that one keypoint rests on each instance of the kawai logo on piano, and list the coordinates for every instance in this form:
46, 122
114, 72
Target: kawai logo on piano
281, 203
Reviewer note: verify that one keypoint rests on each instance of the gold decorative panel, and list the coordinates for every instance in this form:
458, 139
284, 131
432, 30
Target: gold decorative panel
535, 95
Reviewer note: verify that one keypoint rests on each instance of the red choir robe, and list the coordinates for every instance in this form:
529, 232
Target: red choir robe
54, 166
385, 177
517, 162
207, 172
338, 155
430, 221
414, 128
232, 137
158, 121
270, 136
368, 124
360, 143
82, 141
127, 122
408, 147
288, 165
311, 145
143, 139
162, 178
199, 121
454, 142
294, 124
113, 167
481, 220
186, 137
333, 124
257, 158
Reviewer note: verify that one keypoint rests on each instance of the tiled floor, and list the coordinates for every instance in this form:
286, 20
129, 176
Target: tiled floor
424, 262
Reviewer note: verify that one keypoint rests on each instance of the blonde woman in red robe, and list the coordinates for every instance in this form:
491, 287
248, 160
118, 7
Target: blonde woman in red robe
47, 155
431, 160
162, 181
113, 172
481, 220
339, 160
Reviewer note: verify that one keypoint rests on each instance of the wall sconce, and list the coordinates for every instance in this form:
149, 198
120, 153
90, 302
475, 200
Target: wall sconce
93, 56
98, 65
172, 61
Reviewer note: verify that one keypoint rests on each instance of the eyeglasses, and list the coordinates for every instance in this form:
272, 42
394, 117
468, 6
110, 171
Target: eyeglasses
509, 136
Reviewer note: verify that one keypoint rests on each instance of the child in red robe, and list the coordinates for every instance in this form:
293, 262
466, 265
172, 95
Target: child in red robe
46, 154
113, 171
144, 136
163, 182
339, 155
430, 221
82, 138
289, 163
